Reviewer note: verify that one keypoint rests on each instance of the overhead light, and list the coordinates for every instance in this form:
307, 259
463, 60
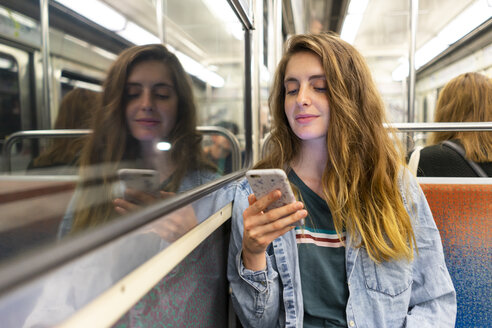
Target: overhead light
98, 12
81, 84
109, 18
352, 21
104, 53
138, 35
198, 70
468, 20
225, 14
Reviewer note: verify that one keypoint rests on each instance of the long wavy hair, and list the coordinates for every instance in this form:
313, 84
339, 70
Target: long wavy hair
75, 112
112, 143
361, 178
466, 98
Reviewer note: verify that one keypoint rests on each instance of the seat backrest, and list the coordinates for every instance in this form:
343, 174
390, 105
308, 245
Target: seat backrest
463, 215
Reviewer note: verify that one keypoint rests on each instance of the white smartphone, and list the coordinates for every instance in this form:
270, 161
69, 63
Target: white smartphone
139, 179
264, 181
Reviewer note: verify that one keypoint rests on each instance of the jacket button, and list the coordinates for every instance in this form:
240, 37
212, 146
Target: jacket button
351, 323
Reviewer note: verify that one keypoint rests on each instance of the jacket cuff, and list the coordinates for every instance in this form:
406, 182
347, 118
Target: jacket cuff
259, 280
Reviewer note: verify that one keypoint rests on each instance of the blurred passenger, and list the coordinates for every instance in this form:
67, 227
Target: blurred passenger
75, 112
220, 151
466, 98
147, 99
369, 254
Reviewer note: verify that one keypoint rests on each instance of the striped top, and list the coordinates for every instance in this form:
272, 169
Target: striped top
321, 262
318, 237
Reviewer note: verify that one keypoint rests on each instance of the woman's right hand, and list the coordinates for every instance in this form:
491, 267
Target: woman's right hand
261, 228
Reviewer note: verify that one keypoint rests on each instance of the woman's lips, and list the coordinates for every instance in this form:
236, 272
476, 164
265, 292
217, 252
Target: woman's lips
302, 119
147, 121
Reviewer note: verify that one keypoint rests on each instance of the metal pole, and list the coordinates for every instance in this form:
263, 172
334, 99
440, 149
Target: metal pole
277, 33
248, 117
414, 7
159, 11
45, 39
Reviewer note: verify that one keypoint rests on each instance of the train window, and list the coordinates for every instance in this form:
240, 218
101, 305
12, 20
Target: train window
70, 80
88, 191
10, 115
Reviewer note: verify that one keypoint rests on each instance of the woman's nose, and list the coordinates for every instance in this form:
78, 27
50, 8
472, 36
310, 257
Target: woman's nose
146, 101
303, 97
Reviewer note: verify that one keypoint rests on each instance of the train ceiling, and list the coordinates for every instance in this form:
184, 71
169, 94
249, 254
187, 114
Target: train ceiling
193, 27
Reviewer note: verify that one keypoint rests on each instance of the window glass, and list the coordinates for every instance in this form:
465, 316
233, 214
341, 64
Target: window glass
147, 142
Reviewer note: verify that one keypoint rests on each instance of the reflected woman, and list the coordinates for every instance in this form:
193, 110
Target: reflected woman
147, 99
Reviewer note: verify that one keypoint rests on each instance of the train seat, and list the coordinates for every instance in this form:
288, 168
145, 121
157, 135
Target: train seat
462, 209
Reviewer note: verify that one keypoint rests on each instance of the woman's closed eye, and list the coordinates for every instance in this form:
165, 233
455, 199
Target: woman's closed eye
291, 88
163, 92
320, 85
292, 91
133, 92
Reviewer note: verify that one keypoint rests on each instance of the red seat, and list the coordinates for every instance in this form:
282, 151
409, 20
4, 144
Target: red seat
463, 215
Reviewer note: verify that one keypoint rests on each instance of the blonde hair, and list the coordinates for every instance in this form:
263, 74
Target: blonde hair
361, 178
466, 98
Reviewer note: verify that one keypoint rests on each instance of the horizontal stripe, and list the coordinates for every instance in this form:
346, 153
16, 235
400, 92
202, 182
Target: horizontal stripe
319, 239
310, 240
319, 234
315, 230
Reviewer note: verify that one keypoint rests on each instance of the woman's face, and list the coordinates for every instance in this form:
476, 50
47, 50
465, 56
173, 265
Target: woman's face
306, 103
152, 102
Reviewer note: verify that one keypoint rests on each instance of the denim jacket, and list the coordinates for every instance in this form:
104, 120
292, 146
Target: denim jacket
402, 293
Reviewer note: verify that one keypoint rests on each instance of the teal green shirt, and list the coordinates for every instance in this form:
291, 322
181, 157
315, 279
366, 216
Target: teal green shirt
321, 261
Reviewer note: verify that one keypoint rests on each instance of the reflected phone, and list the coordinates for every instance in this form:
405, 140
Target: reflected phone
264, 181
140, 179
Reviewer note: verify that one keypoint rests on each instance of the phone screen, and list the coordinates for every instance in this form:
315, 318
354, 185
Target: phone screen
138, 179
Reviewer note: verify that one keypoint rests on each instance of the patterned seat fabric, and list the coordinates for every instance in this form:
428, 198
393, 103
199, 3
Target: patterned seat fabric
463, 214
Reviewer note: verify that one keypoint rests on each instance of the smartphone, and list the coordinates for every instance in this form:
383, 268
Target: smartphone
264, 181
139, 179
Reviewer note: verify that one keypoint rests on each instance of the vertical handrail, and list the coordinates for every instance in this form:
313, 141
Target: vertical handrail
414, 7
159, 14
45, 39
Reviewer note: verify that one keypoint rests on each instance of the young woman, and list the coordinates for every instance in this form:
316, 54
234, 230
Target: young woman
147, 99
369, 254
466, 98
